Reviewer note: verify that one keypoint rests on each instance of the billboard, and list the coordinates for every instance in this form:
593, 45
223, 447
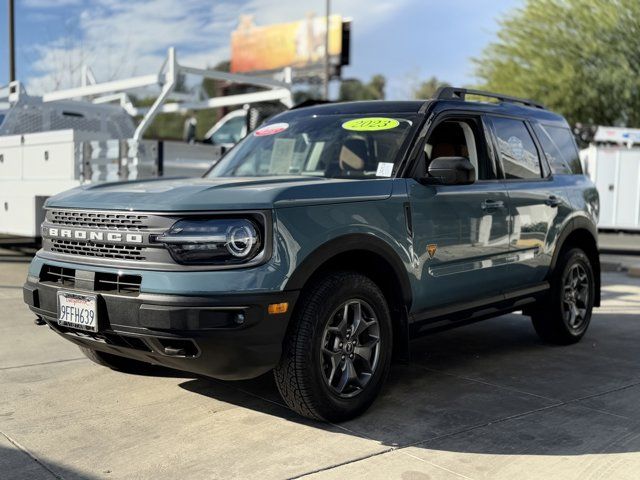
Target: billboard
298, 44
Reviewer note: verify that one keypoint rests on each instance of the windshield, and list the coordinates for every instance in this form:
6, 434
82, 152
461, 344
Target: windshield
1, 117
334, 146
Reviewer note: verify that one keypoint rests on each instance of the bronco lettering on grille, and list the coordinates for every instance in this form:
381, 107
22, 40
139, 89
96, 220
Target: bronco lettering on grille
76, 234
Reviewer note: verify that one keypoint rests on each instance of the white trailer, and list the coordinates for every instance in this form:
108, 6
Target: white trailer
612, 162
77, 136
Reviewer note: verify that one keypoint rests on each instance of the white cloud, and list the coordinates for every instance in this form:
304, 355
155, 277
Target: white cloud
50, 3
120, 38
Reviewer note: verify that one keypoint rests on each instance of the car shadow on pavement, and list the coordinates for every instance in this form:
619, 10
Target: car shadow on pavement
17, 464
493, 388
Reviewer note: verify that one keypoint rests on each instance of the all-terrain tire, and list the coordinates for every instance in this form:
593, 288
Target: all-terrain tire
301, 377
552, 319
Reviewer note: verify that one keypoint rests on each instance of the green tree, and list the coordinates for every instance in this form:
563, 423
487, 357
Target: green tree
354, 89
427, 88
579, 57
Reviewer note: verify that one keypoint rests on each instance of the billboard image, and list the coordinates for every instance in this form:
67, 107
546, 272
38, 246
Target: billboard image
298, 44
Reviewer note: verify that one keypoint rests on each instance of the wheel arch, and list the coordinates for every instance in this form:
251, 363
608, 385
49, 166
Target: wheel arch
373, 257
583, 234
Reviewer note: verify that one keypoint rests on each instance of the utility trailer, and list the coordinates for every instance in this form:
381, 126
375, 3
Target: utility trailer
612, 161
74, 137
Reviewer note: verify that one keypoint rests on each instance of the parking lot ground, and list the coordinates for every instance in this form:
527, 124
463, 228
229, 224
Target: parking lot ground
485, 401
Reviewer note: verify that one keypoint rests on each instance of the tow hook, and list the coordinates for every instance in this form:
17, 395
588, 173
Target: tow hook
174, 352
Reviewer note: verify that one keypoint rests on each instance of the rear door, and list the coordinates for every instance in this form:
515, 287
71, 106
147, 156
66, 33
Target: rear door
460, 232
538, 202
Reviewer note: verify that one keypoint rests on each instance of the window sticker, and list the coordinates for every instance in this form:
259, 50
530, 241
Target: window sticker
370, 124
282, 156
271, 129
384, 169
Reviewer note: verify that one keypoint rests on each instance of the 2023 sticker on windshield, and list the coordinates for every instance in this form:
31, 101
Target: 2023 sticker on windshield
271, 129
370, 124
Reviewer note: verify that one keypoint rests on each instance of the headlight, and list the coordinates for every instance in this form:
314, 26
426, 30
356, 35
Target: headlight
217, 241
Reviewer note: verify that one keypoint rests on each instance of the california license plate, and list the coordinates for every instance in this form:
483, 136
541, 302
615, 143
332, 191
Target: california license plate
78, 311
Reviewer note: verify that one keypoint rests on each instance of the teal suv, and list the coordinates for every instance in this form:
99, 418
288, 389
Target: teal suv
326, 240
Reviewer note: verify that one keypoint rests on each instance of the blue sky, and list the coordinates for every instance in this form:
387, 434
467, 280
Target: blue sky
405, 40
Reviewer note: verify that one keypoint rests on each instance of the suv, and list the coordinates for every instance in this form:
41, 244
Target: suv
324, 241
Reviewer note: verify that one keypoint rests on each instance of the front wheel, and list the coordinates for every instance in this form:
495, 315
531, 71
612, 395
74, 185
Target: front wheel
337, 353
565, 317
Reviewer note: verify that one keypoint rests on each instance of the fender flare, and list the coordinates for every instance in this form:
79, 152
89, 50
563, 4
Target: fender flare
367, 242
579, 223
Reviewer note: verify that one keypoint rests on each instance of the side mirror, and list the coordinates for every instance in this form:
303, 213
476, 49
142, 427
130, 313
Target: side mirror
450, 171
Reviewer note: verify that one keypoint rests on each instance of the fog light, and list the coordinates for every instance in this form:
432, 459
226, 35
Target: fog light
276, 308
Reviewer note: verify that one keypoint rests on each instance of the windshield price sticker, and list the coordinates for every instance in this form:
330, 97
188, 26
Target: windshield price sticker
271, 129
384, 169
370, 124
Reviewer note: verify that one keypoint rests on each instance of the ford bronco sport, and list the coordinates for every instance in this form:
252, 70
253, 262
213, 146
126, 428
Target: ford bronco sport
324, 241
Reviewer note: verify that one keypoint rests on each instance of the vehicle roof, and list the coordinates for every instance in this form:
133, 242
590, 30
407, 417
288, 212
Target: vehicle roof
419, 106
501, 108
360, 107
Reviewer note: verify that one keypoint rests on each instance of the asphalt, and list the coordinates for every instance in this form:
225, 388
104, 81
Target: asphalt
484, 401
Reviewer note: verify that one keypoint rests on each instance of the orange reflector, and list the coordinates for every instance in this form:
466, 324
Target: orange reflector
276, 308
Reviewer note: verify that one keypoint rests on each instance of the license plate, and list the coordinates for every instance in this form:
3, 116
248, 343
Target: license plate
78, 311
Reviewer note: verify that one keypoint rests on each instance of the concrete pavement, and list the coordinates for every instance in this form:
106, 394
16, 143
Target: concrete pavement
484, 401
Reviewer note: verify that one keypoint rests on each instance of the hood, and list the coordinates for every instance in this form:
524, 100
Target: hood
222, 193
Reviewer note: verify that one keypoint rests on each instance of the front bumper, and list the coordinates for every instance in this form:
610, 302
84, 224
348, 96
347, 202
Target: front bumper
230, 336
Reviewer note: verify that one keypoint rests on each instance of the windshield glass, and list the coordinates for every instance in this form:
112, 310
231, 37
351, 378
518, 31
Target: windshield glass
1, 117
334, 146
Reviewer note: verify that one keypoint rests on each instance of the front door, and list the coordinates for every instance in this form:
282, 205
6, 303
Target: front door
460, 233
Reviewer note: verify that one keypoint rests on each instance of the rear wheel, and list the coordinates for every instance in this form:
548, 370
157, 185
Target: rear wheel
115, 362
565, 317
337, 353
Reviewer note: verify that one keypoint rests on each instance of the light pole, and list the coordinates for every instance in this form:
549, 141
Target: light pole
327, 66
12, 47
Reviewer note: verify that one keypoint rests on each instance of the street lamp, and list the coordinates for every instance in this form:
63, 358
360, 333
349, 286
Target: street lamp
327, 66
12, 59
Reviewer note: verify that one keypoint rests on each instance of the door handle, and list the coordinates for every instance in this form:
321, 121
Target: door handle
492, 204
553, 201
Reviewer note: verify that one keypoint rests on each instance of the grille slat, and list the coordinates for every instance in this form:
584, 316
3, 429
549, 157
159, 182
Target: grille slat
59, 275
118, 283
103, 282
99, 220
102, 250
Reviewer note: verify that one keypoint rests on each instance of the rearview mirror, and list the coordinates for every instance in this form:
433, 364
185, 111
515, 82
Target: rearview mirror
450, 171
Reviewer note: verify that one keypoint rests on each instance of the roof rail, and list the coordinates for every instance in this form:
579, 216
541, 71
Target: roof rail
454, 93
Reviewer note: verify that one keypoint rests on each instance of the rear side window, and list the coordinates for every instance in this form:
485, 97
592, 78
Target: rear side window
560, 149
517, 149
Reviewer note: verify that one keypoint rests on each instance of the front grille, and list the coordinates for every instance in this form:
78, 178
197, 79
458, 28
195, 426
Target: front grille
107, 237
58, 275
101, 250
102, 220
123, 284
98, 282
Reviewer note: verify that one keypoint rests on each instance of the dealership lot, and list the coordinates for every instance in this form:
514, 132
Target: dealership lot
486, 401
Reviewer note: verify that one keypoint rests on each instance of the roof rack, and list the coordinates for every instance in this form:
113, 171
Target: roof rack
454, 93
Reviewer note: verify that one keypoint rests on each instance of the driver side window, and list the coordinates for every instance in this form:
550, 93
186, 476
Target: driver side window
458, 138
